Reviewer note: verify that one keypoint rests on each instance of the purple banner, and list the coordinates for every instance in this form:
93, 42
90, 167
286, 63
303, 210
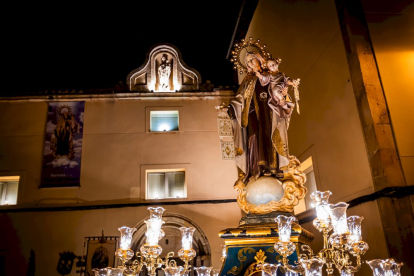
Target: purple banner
63, 145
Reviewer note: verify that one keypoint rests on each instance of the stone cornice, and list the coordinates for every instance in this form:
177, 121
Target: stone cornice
124, 96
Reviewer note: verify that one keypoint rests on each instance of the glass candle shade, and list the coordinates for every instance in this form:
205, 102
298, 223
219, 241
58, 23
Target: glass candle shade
321, 199
156, 213
321, 213
203, 270
173, 270
126, 237
215, 272
187, 237
285, 227
108, 271
269, 269
337, 213
387, 267
354, 226
288, 272
346, 273
395, 268
313, 267
154, 232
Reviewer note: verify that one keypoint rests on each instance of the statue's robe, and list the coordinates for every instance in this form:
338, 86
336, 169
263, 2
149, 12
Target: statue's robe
258, 141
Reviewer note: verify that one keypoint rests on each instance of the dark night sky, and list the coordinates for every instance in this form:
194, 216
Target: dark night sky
76, 46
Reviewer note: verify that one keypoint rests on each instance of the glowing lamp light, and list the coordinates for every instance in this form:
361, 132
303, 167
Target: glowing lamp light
154, 223
203, 271
338, 215
354, 226
387, 267
126, 237
164, 127
313, 266
177, 86
149, 255
151, 86
187, 237
154, 233
321, 201
285, 227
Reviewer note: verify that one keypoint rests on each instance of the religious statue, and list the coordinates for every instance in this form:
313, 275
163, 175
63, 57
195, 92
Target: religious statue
61, 142
164, 71
260, 115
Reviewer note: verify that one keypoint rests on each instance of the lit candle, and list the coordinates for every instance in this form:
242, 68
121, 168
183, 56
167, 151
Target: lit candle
321, 201
354, 225
153, 233
338, 216
187, 237
284, 227
126, 237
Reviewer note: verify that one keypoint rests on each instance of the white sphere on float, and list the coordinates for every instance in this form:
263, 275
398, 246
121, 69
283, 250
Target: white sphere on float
264, 190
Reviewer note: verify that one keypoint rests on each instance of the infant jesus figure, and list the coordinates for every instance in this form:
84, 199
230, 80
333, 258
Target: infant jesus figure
279, 100
282, 107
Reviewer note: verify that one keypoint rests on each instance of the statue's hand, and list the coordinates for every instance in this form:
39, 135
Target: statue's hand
221, 107
223, 111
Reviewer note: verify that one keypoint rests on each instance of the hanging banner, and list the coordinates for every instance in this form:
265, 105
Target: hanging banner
63, 145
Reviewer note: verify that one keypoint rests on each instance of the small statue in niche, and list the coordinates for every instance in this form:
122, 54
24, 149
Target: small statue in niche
164, 71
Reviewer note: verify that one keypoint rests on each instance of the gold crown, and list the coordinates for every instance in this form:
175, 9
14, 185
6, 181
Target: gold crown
244, 44
62, 108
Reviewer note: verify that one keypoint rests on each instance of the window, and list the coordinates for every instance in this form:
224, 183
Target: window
8, 189
307, 203
166, 120
166, 184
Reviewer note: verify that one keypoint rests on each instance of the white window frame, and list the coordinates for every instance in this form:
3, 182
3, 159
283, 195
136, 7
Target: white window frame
5, 182
309, 155
141, 192
166, 186
148, 109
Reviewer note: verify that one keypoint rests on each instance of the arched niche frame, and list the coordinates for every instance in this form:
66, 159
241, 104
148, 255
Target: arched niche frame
172, 239
146, 79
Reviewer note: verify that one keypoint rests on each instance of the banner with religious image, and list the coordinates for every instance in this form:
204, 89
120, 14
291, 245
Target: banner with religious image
100, 253
63, 145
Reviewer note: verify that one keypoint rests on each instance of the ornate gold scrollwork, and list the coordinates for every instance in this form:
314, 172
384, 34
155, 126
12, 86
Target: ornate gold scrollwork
293, 185
235, 270
257, 266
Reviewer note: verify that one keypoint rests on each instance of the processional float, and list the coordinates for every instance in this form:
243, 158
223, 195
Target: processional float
268, 240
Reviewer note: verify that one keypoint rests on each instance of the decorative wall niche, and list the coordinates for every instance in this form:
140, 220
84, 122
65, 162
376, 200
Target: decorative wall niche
164, 71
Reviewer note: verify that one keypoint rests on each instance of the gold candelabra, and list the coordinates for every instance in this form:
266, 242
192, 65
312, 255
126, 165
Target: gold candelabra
149, 254
339, 248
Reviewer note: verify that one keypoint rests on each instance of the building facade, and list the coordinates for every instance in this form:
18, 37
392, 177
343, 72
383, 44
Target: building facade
336, 135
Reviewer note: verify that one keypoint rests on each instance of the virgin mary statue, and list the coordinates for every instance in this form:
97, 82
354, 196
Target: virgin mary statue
260, 121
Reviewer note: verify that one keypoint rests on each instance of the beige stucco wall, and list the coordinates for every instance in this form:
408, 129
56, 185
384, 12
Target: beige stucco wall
307, 37
116, 148
116, 144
